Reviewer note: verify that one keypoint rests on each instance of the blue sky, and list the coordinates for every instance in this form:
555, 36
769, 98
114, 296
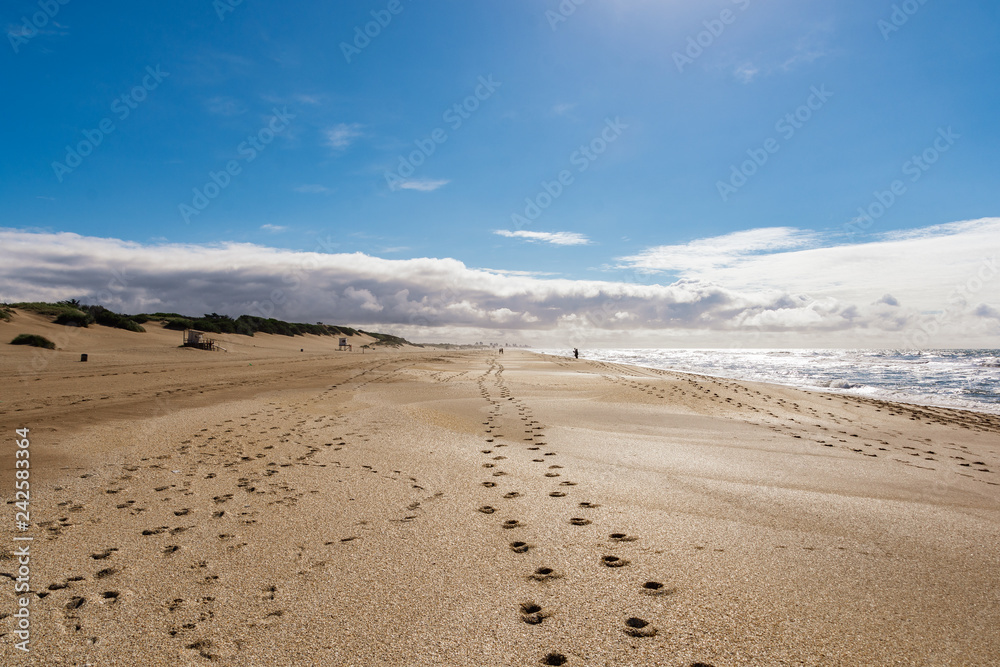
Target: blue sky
833, 100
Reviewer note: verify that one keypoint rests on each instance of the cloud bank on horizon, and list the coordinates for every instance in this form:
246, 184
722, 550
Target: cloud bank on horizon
773, 285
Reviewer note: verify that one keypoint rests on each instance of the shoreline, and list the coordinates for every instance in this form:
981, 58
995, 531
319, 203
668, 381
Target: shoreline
986, 409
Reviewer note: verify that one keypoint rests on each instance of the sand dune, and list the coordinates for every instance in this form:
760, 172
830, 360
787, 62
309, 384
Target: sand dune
414, 507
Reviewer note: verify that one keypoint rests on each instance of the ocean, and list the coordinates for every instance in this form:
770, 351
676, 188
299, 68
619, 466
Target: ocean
967, 379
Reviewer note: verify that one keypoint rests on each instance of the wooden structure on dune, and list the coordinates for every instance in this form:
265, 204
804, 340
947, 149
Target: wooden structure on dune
198, 340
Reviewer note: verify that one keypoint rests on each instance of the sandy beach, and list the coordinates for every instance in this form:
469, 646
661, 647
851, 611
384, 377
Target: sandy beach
287, 504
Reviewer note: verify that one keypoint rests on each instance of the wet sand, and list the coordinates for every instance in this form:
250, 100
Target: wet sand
420, 507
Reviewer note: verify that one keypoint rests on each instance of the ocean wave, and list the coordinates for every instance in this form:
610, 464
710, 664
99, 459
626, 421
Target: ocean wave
841, 384
965, 379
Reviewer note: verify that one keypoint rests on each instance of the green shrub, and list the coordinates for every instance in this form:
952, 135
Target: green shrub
50, 309
388, 339
75, 318
107, 318
208, 326
179, 324
34, 341
74, 313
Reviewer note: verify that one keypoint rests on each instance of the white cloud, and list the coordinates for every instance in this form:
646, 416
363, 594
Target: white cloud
888, 300
808, 49
562, 109
511, 272
777, 287
937, 272
312, 188
273, 228
719, 251
422, 184
223, 105
746, 72
342, 135
555, 238
363, 298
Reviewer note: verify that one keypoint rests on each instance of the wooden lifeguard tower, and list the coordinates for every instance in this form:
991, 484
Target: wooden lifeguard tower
197, 339
344, 346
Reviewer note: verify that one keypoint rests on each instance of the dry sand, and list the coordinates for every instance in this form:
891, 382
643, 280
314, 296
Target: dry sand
276, 507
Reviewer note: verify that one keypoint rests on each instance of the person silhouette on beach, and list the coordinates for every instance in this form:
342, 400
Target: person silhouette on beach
576, 353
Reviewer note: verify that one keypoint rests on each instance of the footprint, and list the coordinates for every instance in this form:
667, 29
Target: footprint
557, 494
613, 561
654, 588
544, 574
519, 547
588, 505
637, 627
532, 614
554, 659
512, 494
486, 509
622, 537
512, 523
579, 521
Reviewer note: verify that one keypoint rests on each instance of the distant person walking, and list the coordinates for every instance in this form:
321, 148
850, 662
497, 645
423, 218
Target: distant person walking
576, 353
